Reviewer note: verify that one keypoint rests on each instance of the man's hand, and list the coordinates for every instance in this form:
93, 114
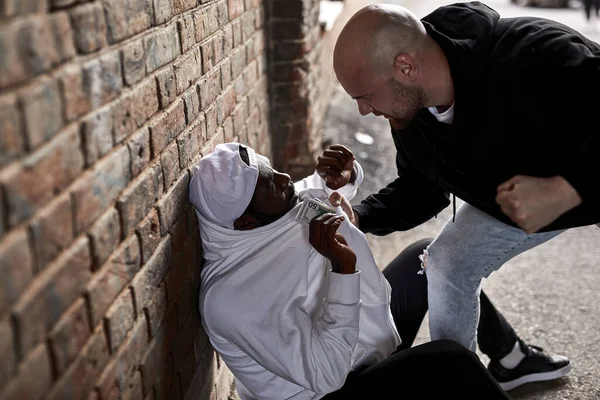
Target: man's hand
533, 203
323, 236
336, 166
337, 199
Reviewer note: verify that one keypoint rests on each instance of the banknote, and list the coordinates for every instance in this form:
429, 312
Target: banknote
312, 208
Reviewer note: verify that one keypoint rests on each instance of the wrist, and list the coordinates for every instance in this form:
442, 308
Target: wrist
343, 268
569, 196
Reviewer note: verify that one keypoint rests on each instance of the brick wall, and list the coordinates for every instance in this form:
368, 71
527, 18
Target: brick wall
104, 107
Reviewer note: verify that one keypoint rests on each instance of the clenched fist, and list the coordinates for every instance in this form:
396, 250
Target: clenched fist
336, 166
533, 203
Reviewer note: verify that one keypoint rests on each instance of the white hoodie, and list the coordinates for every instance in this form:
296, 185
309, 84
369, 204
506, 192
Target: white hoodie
285, 325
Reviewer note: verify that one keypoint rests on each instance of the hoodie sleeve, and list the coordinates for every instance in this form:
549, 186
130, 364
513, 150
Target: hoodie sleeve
314, 352
407, 202
316, 182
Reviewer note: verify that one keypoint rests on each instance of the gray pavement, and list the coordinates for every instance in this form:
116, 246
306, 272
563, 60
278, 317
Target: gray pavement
551, 294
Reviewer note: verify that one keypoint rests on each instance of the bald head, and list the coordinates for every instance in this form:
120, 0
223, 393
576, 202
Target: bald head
374, 36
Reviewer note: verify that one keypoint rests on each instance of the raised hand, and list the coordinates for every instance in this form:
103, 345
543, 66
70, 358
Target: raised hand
336, 166
331, 244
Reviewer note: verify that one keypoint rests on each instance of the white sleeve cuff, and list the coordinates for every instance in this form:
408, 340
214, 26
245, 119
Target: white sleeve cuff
344, 288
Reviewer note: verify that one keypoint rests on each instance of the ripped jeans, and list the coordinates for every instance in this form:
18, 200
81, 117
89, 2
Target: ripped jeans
464, 252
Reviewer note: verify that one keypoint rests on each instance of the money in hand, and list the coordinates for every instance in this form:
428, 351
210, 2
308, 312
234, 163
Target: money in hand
311, 209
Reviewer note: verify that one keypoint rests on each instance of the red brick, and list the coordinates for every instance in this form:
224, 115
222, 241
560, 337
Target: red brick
7, 347
187, 70
166, 128
134, 388
248, 20
236, 8
51, 294
208, 56
152, 274
148, 232
52, 231
240, 114
238, 61
108, 282
189, 143
183, 270
36, 365
192, 104
218, 45
253, 122
186, 336
237, 33
104, 237
156, 308
161, 47
54, 4
42, 99
223, 12
125, 18
174, 392
113, 381
179, 234
226, 104
157, 364
169, 159
187, 369
211, 121
180, 6
96, 133
89, 27
187, 32
167, 88
103, 79
9, 8
260, 17
79, 378
139, 198
139, 151
12, 143
187, 302
195, 389
171, 206
77, 101
133, 62
227, 38
163, 11
34, 45
200, 344
209, 88
134, 109
16, 267
69, 336
97, 189
42, 175
226, 72
119, 320
228, 129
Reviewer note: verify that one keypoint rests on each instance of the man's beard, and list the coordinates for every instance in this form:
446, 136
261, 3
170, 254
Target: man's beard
406, 100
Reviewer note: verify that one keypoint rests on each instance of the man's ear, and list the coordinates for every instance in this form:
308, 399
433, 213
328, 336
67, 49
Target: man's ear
246, 222
405, 67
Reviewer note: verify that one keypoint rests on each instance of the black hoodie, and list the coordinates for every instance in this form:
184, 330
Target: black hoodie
527, 92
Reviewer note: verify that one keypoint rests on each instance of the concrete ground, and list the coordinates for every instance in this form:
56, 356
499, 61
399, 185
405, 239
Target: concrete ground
551, 294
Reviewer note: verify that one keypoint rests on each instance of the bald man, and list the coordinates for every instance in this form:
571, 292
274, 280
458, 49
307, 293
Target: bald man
499, 112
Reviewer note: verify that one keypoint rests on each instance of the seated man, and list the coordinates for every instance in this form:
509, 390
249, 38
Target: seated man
301, 311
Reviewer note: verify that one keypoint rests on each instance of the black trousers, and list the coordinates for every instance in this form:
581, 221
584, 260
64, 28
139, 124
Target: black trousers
439, 368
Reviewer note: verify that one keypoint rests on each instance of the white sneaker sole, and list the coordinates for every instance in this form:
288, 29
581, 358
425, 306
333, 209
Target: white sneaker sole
542, 376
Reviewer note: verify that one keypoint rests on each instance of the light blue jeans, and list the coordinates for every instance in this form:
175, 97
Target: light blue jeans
464, 252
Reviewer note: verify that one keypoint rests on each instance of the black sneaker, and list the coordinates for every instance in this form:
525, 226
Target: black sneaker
536, 366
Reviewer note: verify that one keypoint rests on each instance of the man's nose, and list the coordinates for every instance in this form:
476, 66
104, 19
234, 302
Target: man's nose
284, 180
363, 107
